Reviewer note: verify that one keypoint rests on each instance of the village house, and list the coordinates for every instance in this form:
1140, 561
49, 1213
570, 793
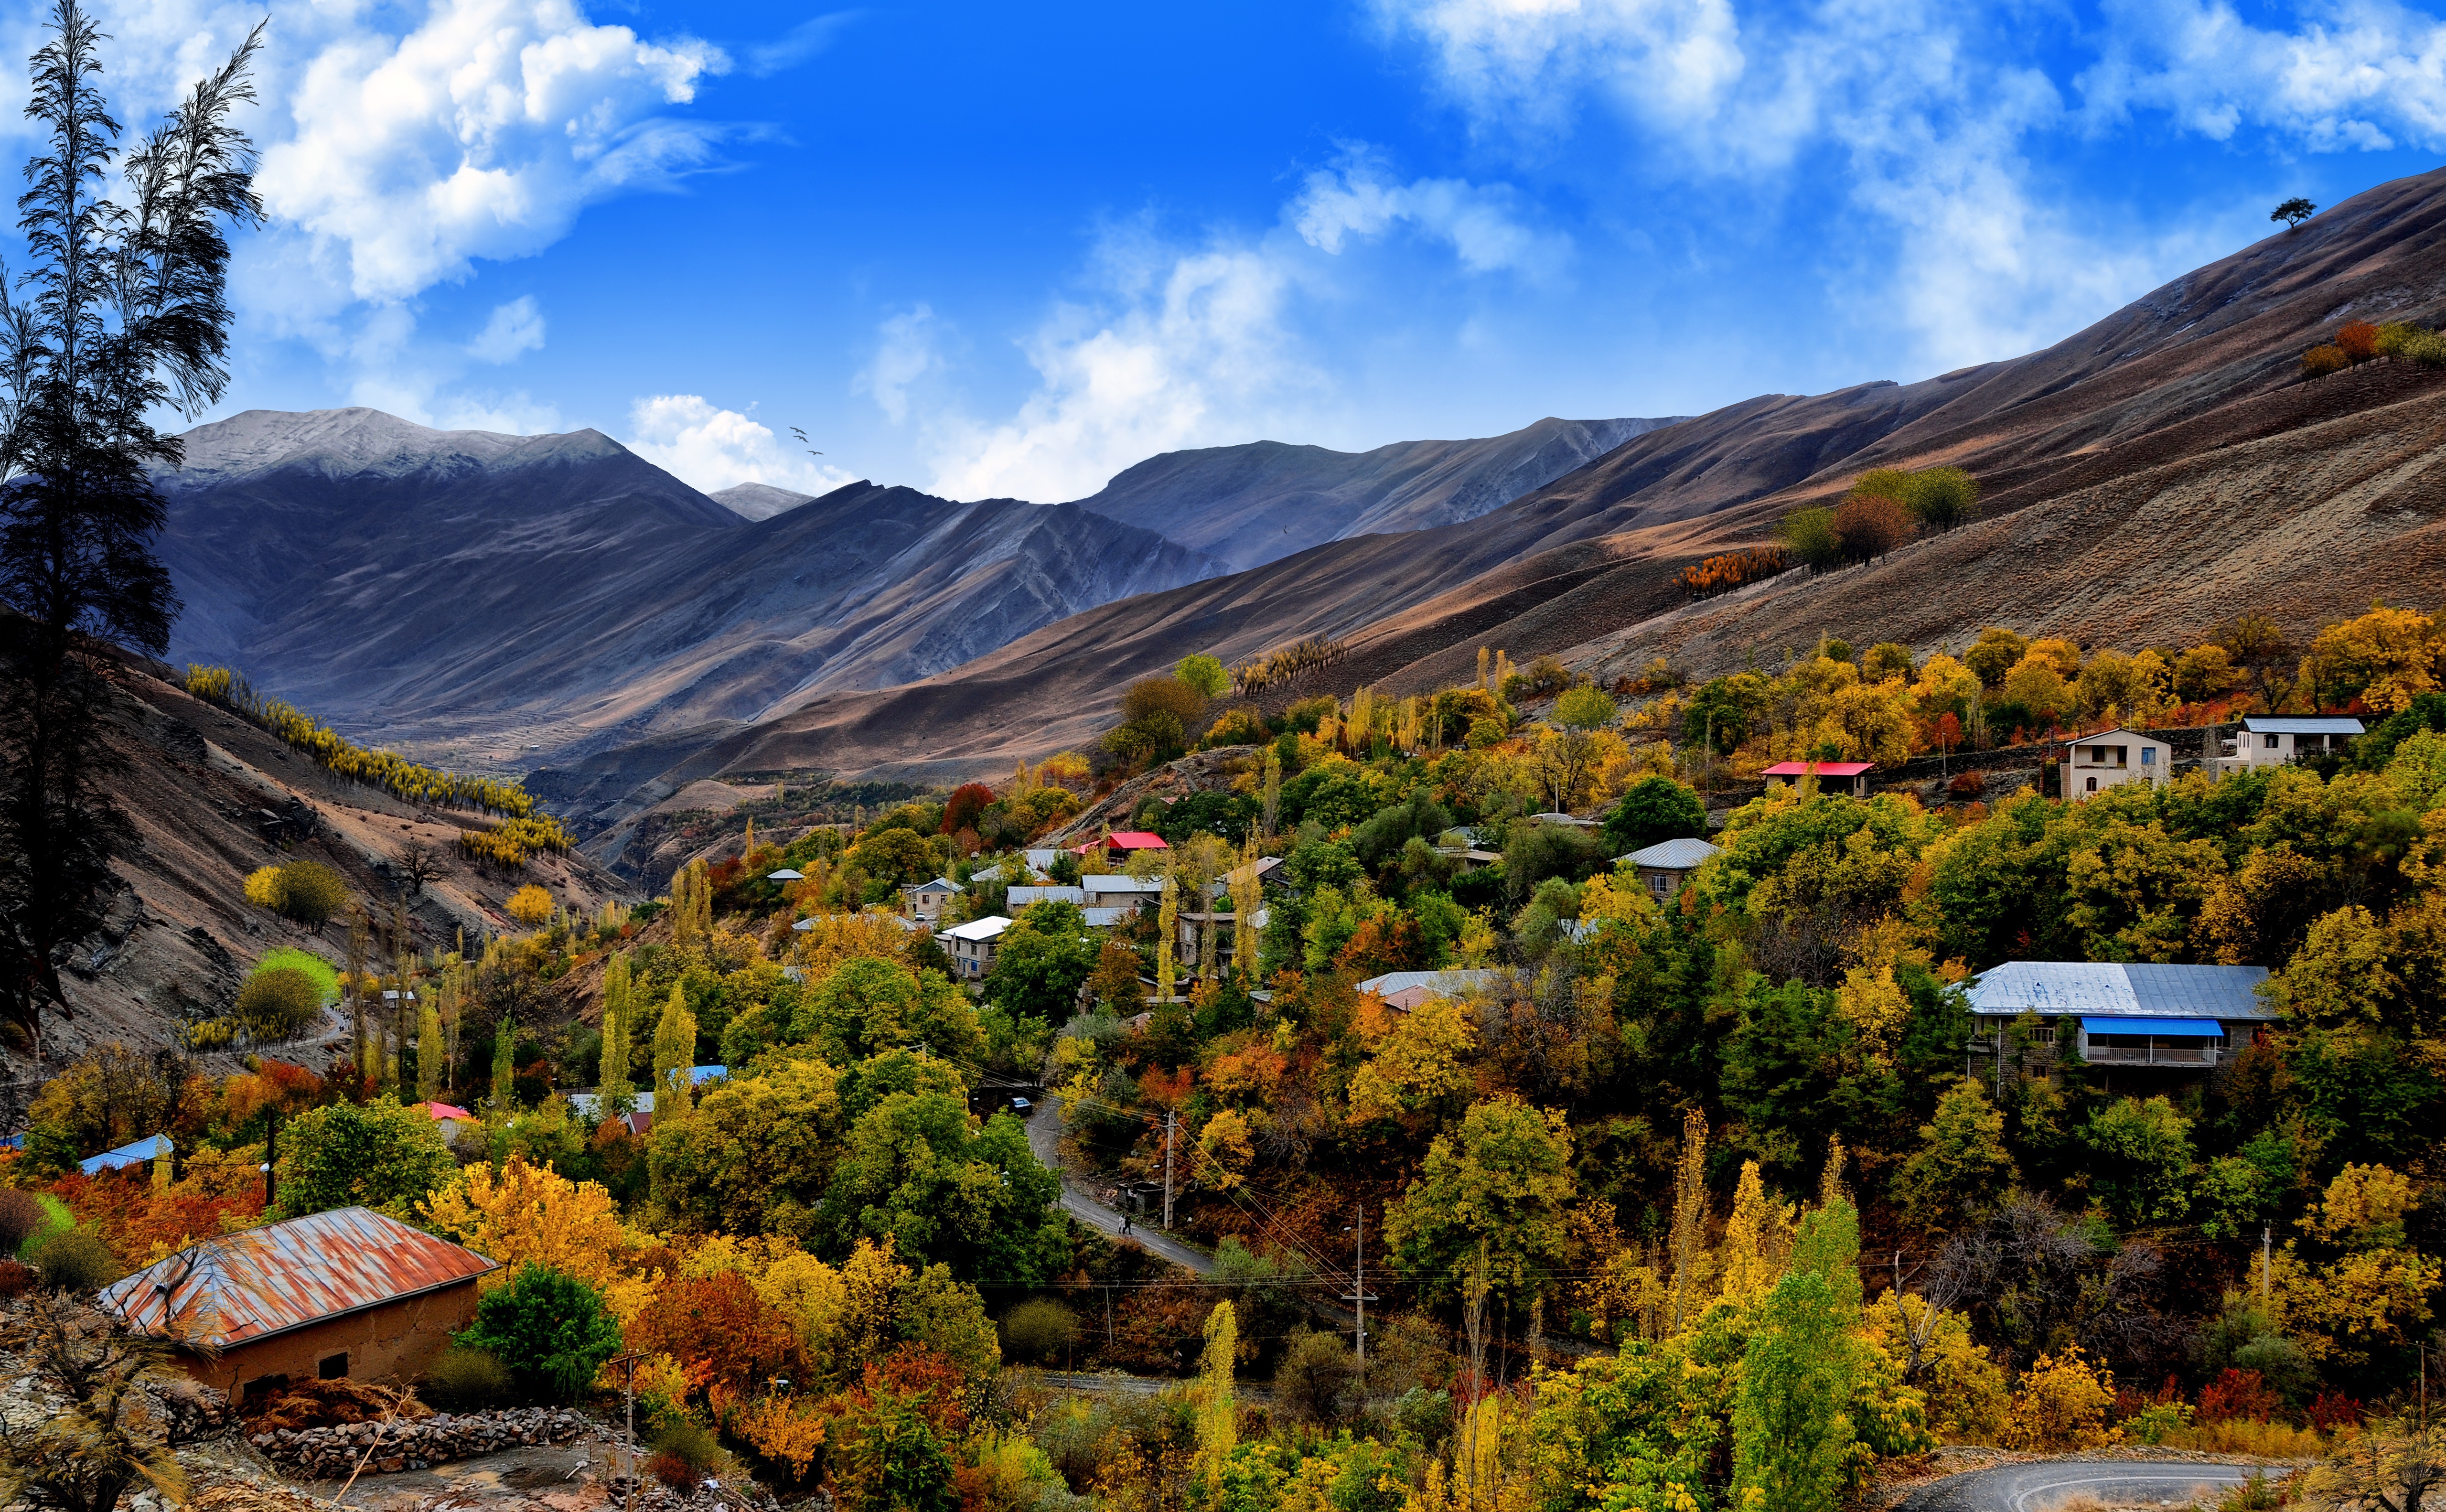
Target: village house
2163, 1017
971, 945
348, 1293
1115, 849
1406, 990
1019, 898
2112, 758
2272, 739
1104, 890
1665, 865
927, 900
1832, 777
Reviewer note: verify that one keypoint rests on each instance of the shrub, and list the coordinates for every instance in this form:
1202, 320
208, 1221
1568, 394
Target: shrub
529, 905
15, 1279
688, 1443
308, 892
2395, 336
2062, 1405
2358, 340
1871, 527
278, 1004
550, 1329
2428, 349
21, 1216
76, 1261
2332, 1410
671, 1471
2320, 361
1039, 1329
465, 1380
2275, 1441
2238, 1394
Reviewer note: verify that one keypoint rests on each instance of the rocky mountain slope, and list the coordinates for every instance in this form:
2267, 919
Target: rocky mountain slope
757, 501
210, 799
1263, 501
483, 597
2160, 470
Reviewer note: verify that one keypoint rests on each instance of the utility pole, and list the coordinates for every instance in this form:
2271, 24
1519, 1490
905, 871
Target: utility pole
1171, 1119
1359, 1296
2267, 1249
629, 1388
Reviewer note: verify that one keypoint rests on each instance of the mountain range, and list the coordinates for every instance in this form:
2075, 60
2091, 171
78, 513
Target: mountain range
2153, 474
499, 599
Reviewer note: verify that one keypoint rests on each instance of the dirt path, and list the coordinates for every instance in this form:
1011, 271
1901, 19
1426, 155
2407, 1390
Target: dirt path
1044, 1139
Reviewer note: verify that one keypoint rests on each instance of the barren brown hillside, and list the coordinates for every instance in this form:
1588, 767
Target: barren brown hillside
2196, 370
211, 798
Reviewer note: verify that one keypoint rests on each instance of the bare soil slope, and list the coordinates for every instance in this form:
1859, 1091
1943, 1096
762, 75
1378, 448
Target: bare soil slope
211, 798
2192, 372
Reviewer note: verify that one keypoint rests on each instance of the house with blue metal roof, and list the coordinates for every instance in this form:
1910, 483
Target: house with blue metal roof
126, 1155
2271, 739
2126, 1015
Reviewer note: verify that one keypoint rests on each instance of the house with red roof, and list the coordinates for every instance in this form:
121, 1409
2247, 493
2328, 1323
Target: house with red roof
1116, 846
1832, 777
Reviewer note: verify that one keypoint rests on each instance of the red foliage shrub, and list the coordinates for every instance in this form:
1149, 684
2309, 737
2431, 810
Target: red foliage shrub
1733, 569
2238, 1394
2333, 1410
1870, 527
720, 1331
1968, 785
2358, 341
15, 1279
927, 1381
960, 810
671, 1471
1375, 947
20, 1215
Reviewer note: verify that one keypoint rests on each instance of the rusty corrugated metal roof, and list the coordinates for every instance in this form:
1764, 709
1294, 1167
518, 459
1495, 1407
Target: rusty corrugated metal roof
251, 1285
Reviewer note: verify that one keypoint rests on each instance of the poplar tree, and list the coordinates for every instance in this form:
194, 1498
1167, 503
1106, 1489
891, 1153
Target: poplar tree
613, 1080
674, 1058
1793, 1436
1274, 790
1218, 1422
126, 318
429, 1053
1167, 922
505, 1041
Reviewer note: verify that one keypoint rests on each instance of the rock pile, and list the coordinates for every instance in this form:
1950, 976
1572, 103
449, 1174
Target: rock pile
653, 1496
330, 1453
193, 1410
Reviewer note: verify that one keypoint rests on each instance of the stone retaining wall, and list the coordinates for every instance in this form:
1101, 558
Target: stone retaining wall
331, 1453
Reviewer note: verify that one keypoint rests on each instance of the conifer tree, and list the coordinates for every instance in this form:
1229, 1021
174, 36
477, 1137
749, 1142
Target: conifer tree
126, 318
505, 1041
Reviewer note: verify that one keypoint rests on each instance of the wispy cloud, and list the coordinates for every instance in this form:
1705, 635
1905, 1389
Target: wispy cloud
514, 328
715, 448
795, 46
1360, 197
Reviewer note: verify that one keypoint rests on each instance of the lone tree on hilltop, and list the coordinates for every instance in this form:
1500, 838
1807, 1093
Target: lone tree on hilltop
122, 315
2293, 212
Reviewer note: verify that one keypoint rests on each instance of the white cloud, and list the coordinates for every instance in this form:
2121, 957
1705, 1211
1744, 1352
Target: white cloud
713, 448
516, 328
481, 132
797, 45
2368, 73
1358, 196
904, 354
1191, 347
1526, 63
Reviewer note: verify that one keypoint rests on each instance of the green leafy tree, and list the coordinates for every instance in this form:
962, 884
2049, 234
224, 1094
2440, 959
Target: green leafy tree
870, 1006
1792, 1427
612, 1084
899, 855
1995, 654
1941, 497
911, 1170
1205, 673
277, 1004
381, 1156
505, 1072
1811, 537
1503, 1180
552, 1331
2293, 212
1961, 1167
756, 1156
1585, 708
1655, 808
2143, 1167
1040, 962
674, 1058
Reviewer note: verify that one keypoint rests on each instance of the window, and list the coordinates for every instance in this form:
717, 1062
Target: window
2267, 742
2148, 755
2093, 784
333, 1367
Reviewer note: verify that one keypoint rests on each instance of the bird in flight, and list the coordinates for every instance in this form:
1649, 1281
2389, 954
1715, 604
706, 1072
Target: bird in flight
802, 441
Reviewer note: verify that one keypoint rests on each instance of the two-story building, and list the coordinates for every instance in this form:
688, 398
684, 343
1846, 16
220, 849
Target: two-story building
1110, 890
2112, 758
2271, 739
971, 945
926, 901
2161, 1017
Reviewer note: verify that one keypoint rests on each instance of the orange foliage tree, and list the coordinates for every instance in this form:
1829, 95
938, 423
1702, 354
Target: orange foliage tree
1727, 571
1869, 526
721, 1332
2358, 341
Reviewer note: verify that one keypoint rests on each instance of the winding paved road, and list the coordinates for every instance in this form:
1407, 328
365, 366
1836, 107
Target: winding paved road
1044, 1139
2042, 1487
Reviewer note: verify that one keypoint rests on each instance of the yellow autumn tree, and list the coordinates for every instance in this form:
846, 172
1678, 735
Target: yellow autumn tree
2389, 656
1225, 1150
2061, 1404
524, 1214
1418, 1063
1756, 1239
529, 905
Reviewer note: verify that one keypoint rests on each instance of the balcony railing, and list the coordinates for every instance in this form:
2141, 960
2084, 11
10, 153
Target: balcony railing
2191, 1054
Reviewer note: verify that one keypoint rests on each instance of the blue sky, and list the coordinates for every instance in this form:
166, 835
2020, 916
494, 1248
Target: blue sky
996, 249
